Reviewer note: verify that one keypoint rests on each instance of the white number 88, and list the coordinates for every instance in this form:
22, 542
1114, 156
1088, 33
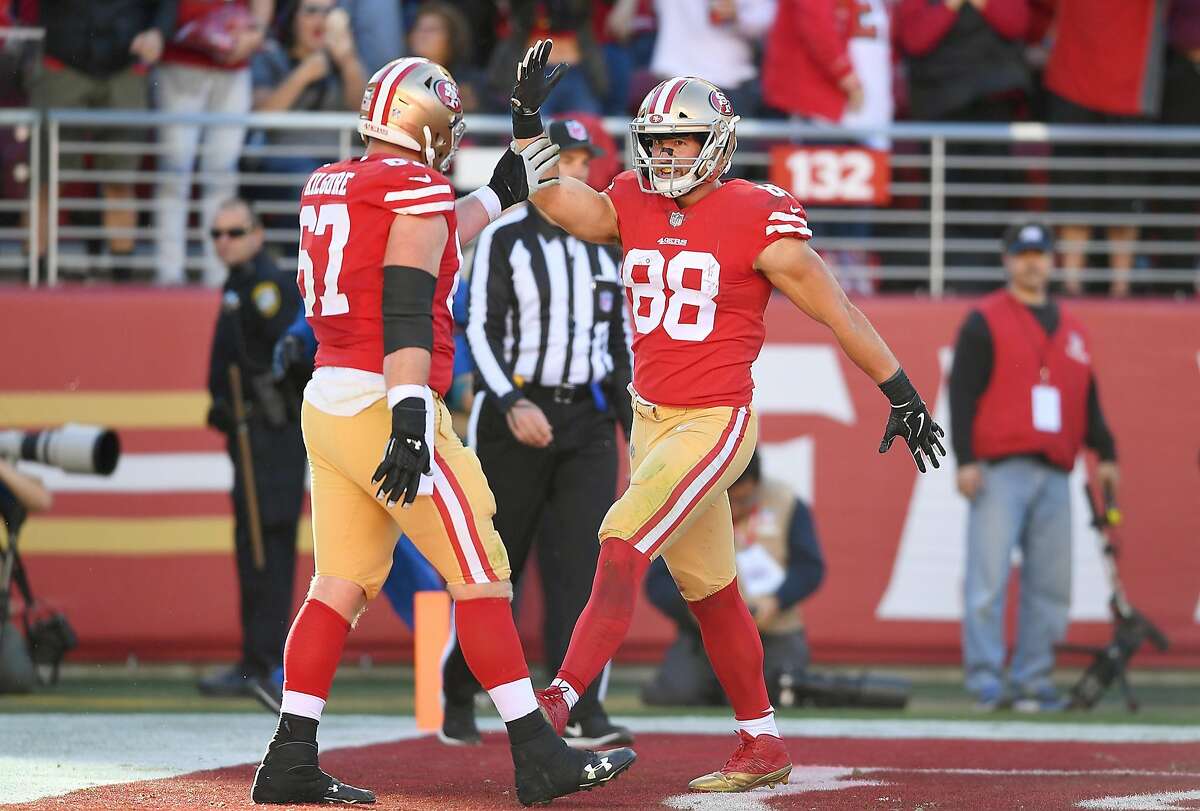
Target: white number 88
654, 292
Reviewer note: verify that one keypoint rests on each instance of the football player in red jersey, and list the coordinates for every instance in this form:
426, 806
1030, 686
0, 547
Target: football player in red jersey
701, 259
378, 262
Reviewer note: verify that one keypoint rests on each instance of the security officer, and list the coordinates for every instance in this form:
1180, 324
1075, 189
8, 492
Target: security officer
258, 305
550, 341
1023, 402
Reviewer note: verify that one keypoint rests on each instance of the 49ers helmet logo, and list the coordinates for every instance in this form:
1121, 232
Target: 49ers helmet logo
720, 103
447, 92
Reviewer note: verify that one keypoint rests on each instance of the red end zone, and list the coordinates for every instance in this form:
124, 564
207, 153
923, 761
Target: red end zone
842, 773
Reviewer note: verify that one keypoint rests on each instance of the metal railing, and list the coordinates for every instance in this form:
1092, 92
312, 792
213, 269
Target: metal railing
952, 189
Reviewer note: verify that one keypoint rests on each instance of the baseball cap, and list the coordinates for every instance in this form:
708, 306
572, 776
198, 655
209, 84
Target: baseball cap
1029, 236
571, 134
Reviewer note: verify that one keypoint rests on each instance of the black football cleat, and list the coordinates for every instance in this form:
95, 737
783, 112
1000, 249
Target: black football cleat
290, 774
547, 768
458, 726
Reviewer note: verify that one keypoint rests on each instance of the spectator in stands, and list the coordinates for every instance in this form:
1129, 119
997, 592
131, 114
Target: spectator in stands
626, 29
205, 68
1181, 107
965, 61
714, 39
312, 65
779, 564
1105, 68
441, 34
378, 28
569, 24
97, 54
1023, 401
825, 65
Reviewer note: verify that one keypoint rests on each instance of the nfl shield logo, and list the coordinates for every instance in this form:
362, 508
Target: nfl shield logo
606, 301
576, 130
676, 219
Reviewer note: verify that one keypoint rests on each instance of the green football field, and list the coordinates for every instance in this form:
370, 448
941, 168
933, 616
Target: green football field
1167, 697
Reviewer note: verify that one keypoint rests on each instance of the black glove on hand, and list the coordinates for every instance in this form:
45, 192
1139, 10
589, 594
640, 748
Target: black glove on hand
288, 352
220, 416
407, 455
911, 419
532, 87
509, 181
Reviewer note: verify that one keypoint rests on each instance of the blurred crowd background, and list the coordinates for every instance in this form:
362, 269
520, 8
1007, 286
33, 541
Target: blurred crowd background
131, 198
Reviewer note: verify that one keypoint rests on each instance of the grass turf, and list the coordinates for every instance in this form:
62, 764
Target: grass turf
1167, 697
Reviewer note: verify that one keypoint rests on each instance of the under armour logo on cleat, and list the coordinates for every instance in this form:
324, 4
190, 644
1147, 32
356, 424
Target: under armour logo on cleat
592, 770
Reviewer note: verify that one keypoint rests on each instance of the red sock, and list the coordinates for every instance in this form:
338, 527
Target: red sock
735, 650
605, 619
310, 658
489, 641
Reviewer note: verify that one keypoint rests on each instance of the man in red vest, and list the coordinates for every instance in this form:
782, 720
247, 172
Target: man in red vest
1023, 401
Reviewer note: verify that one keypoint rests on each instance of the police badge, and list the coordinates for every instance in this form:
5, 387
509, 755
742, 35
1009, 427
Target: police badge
676, 219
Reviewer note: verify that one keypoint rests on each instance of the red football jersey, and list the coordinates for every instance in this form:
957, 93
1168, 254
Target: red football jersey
697, 300
346, 212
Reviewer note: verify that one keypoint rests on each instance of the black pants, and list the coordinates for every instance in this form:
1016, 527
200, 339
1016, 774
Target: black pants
557, 495
266, 595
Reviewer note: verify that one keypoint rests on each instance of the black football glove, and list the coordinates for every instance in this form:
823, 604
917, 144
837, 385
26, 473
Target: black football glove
522, 172
288, 352
407, 455
532, 87
911, 420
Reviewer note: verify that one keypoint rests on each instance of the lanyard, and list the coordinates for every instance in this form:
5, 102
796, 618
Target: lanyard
1034, 331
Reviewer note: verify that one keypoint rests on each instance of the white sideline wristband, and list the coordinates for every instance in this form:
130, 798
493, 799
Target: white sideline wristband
490, 202
405, 390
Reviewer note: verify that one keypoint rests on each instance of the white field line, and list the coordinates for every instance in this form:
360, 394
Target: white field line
48, 754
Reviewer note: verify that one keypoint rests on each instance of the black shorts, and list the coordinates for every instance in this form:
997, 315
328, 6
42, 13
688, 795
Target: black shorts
1062, 111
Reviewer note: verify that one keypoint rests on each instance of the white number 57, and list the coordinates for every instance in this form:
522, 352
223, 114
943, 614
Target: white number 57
330, 216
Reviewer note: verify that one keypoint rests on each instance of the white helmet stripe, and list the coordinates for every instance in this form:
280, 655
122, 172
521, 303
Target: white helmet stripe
384, 92
666, 95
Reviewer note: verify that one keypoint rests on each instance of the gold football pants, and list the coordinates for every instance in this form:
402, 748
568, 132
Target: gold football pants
354, 533
682, 460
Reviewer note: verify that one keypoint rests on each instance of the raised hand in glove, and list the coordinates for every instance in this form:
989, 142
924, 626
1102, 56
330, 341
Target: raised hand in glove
407, 455
522, 171
532, 87
911, 420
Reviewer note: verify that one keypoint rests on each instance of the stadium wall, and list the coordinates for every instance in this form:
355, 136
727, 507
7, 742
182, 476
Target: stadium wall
141, 562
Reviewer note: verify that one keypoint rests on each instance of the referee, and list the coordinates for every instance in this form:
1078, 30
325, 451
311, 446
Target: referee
550, 340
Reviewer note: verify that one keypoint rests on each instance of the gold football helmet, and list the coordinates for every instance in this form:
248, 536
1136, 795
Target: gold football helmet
684, 104
414, 103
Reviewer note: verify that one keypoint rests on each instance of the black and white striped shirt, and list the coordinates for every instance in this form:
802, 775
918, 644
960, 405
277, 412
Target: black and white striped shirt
545, 308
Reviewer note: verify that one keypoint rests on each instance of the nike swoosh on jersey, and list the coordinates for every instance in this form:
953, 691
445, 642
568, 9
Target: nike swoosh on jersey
421, 178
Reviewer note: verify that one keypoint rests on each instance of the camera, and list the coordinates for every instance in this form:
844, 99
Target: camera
73, 448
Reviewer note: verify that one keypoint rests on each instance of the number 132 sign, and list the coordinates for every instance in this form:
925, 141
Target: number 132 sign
833, 175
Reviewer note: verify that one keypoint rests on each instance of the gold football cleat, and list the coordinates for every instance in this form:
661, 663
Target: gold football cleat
758, 761
739, 781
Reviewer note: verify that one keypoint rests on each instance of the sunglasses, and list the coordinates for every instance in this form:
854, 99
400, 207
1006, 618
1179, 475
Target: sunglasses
232, 233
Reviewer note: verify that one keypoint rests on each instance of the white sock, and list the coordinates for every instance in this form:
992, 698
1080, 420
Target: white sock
761, 726
514, 700
302, 704
569, 693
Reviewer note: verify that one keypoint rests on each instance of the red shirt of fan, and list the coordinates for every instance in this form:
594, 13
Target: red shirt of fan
697, 300
346, 212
